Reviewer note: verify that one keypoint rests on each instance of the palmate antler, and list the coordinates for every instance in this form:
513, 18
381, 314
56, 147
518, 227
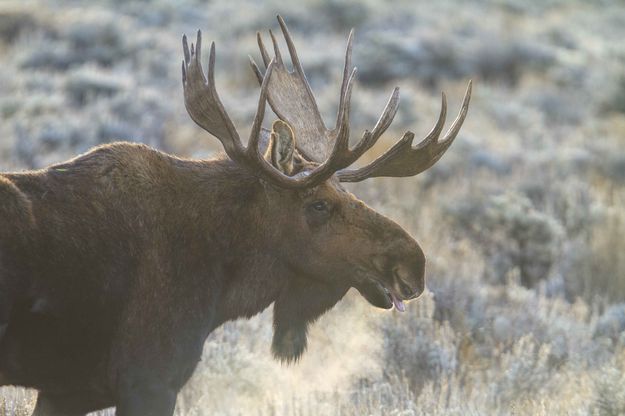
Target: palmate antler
205, 108
291, 98
402, 159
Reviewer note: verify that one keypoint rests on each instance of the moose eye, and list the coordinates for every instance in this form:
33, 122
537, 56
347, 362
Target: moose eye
318, 212
319, 206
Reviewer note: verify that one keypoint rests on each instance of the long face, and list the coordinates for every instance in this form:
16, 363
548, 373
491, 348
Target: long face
330, 241
327, 234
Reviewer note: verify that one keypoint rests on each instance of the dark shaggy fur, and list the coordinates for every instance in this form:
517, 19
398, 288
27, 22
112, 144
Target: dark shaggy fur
115, 267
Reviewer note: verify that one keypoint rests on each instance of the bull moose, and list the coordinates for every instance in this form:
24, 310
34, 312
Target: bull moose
116, 265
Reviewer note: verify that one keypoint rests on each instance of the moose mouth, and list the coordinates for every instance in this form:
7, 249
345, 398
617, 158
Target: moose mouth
397, 302
379, 295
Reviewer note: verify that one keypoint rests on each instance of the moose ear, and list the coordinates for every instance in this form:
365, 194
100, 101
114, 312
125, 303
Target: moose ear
281, 147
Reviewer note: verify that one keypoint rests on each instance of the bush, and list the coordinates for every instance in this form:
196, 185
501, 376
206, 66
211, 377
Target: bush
88, 84
597, 269
512, 234
15, 21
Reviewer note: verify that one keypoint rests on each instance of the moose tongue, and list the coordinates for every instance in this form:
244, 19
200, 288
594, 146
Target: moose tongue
399, 304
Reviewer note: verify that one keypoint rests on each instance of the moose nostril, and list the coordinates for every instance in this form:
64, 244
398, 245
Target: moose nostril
406, 291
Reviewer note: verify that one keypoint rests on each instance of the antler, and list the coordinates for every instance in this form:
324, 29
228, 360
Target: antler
402, 159
202, 101
205, 108
292, 100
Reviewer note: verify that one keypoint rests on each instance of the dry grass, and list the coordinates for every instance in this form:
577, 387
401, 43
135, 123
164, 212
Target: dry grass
600, 267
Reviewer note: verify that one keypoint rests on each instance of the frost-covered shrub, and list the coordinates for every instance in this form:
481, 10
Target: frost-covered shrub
435, 56
344, 14
569, 201
615, 101
609, 398
512, 234
90, 84
77, 40
613, 166
14, 21
597, 266
421, 350
612, 323
525, 371
557, 105
484, 159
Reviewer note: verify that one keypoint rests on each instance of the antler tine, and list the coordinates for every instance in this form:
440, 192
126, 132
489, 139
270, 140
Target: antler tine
259, 75
340, 152
297, 65
444, 143
253, 149
346, 71
370, 138
276, 49
263, 50
404, 160
211, 66
457, 124
198, 50
342, 156
185, 50
434, 134
388, 114
202, 100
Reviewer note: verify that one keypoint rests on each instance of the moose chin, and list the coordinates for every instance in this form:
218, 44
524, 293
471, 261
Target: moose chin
116, 265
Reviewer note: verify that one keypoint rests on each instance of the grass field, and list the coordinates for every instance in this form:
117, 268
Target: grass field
523, 221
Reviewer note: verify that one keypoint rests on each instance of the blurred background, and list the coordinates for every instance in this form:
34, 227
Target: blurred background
523, 220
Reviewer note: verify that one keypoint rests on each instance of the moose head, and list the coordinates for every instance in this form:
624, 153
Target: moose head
328, 238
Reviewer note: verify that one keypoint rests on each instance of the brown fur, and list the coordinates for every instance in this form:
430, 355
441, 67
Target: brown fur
116, 265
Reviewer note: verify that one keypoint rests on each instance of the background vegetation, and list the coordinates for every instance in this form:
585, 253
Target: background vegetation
523, 221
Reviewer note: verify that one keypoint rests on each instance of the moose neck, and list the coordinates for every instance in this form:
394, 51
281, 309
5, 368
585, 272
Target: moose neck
248, 275
248, 272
